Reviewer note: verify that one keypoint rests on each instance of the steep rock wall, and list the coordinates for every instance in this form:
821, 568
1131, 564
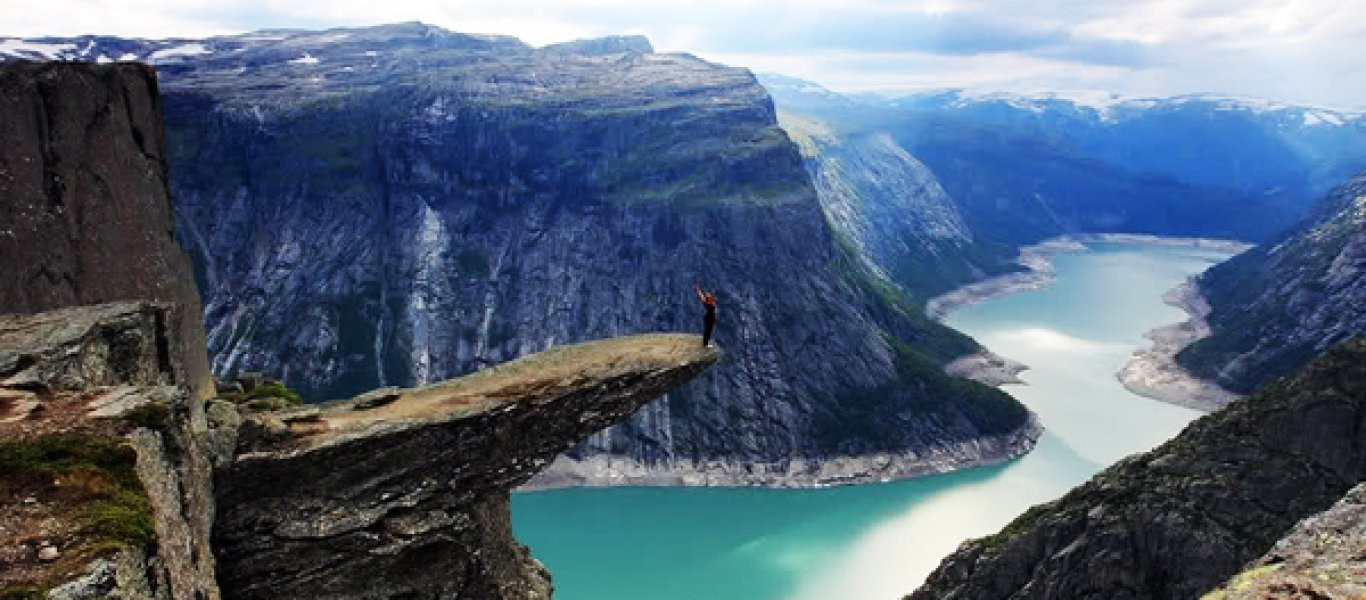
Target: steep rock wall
402, 204
85, 218
1278, 305
1179, 520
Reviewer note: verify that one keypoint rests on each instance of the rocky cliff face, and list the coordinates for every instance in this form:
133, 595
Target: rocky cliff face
402, 204
1024, 170
86, 218
889, 209
1278, 305
1321, 558
106, 448
393, 494
1179, 520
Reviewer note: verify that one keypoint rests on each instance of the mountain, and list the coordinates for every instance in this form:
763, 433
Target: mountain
1278, 305
1181, 519
1259, 147
401, 204
123, 479
1024, 169
890, 210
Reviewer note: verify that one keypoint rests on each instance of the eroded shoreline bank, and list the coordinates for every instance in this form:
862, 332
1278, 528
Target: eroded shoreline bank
611, 471
1150, 372
1153, 371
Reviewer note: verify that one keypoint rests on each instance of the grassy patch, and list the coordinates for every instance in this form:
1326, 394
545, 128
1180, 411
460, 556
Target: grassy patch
273, 389
95, 480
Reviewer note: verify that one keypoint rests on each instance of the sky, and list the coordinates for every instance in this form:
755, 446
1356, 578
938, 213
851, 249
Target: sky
1296, 51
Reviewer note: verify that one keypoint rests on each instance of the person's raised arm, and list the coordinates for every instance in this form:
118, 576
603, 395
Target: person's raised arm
698, 290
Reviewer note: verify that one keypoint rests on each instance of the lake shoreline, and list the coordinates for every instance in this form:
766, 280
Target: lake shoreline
1038, 273
1036, 259
616, 471
1150, 372
1154, 373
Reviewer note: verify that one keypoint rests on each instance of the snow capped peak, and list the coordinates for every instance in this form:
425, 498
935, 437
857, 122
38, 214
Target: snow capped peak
1110, 107
18, 48
1323, 117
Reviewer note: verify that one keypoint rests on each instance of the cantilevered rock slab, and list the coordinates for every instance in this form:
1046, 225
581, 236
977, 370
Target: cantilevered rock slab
410, 497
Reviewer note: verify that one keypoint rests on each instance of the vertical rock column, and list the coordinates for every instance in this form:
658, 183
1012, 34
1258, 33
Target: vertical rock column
86, 218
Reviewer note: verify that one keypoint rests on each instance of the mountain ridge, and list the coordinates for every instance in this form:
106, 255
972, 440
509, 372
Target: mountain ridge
1179, 520
1279, 304
365, 215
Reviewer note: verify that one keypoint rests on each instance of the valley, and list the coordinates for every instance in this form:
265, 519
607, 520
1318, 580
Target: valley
880, 540
965, 339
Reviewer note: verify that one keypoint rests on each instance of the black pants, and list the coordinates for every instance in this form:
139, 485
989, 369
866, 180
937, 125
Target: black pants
708, 321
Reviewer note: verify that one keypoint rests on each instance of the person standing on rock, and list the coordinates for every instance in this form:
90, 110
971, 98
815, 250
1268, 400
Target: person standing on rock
709, 319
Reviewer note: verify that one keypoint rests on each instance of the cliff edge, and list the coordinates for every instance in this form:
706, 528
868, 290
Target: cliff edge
86, 218
111, 460
400, 493
1321, 558
1181, 519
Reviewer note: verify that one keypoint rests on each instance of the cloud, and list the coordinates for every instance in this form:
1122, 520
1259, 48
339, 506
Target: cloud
1294, 50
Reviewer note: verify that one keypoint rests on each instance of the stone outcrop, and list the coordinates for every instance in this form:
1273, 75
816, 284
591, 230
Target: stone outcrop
1179, 520
397, 492
1277, 305
409, 498
1324, 557
87, 219
106, 372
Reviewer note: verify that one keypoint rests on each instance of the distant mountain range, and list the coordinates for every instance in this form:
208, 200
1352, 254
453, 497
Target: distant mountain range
1026, 168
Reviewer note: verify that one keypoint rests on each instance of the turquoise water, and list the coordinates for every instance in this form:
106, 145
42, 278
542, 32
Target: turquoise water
880, 540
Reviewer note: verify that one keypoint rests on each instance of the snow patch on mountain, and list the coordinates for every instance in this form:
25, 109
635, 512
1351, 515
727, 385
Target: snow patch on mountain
32, 49
177, 53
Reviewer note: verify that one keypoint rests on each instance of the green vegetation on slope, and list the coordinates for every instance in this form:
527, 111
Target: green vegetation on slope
97, 473
79, 492
922, 346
